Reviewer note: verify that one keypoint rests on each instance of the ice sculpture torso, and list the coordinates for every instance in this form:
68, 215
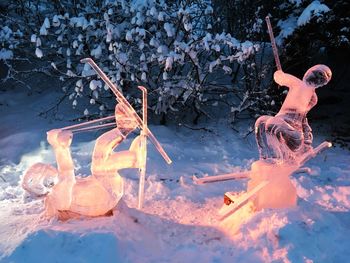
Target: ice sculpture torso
287, 135
299, 96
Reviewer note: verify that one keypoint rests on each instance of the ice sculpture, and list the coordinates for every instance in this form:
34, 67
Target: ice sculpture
284, 142
288, 134
68, 196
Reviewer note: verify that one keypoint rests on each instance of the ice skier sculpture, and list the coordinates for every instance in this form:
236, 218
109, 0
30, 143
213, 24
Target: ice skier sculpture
284, 142
288, 134
98, 193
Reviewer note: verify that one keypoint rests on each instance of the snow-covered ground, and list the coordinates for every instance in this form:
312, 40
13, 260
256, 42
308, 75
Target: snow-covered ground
179, 222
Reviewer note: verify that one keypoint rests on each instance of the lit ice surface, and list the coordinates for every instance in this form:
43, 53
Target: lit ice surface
99, 193
96, 194
285, 140
288, 135
179, 220
285, 144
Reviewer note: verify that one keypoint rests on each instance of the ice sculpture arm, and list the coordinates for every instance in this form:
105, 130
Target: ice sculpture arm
121, 99
284, 79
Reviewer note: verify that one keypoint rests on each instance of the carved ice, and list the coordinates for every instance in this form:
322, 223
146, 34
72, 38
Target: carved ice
285, 144
285, 140
96, 194
69, 196
287, 135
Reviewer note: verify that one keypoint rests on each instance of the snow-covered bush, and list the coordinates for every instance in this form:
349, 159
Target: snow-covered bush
316, 30
170, 48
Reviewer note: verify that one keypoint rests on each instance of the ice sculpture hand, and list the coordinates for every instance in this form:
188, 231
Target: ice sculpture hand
59, 138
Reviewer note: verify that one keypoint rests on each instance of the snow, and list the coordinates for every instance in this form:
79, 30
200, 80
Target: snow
55, 21
94, 84
179, 222
38, 53
169, 63
33, 38
128, 36
293, 21
313, 9
169, 28
209, 10
97, 52
46, 23
43, 30
161, 16
5, 54
287, 28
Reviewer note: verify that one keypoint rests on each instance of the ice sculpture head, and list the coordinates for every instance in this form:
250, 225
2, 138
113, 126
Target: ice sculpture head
318, 76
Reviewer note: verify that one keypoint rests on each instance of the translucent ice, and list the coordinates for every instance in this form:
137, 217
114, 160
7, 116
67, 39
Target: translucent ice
96, 194
285, 144
287, 135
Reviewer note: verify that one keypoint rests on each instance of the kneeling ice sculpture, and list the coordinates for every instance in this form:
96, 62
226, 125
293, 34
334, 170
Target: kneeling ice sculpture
283, 140
99, 193
285, 144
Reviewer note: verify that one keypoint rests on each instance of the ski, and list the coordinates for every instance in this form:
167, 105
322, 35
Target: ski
314, 152
220, 178
232, 205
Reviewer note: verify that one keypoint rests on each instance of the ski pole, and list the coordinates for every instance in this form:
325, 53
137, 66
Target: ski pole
273, 43
143, 148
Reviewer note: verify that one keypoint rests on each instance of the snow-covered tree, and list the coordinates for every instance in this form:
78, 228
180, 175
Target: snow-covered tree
168, 47
307, 32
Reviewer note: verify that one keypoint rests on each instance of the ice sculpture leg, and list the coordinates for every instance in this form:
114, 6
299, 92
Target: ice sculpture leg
260, 135
103, 157
106, 163
278, 137
61, 194
279, 192
308, 137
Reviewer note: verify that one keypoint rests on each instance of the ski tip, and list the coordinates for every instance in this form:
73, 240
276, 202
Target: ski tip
85, 60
